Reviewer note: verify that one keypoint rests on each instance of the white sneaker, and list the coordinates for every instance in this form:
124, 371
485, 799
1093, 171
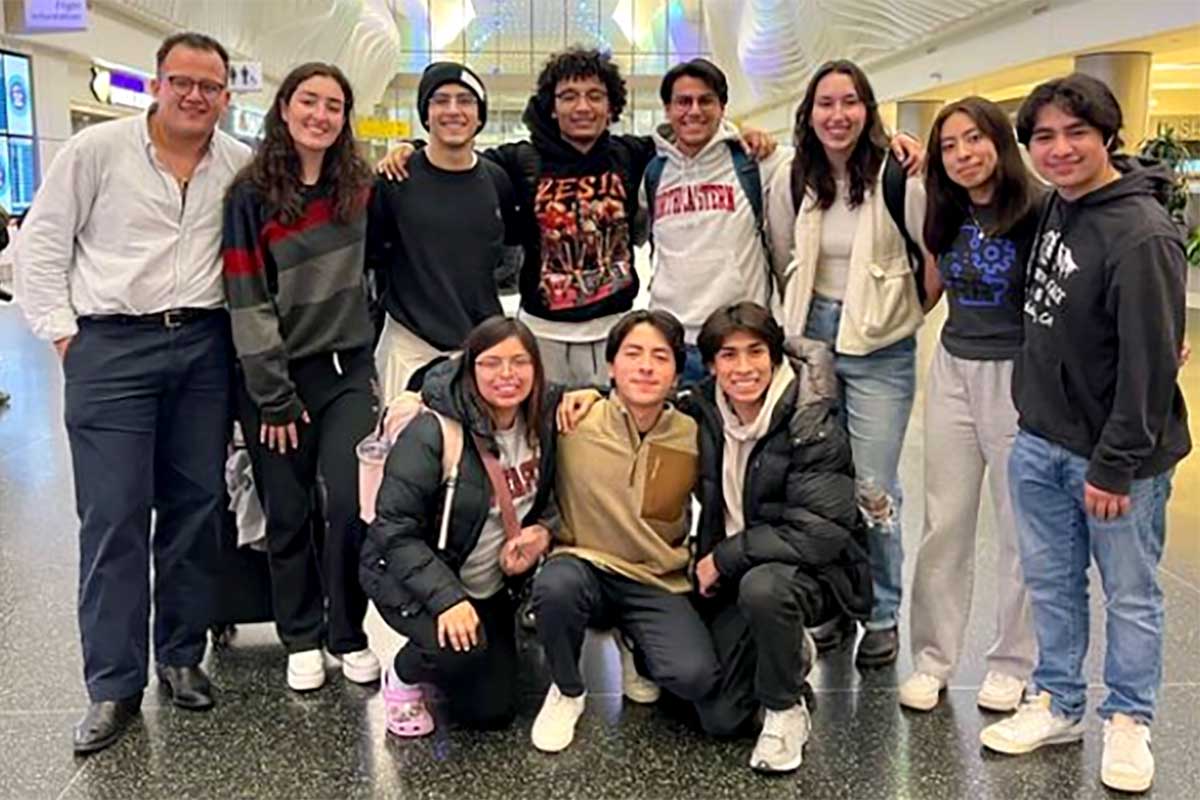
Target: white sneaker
1000, 692
306, 670
1032, 726
1127, 764
554, 728
361, 666
921, 691
780, 745
634, 685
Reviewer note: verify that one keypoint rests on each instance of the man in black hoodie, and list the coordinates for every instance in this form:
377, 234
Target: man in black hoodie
1102, 424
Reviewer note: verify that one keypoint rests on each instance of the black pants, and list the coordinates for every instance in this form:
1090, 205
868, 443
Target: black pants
147, 414
341, 409
570, 595
480, 685
757, 628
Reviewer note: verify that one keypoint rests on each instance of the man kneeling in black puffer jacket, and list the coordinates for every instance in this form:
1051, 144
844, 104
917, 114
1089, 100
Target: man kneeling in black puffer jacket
781, 544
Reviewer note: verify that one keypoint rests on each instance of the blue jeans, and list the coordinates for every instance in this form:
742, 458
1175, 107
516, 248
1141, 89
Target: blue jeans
694, 370
1058, 539
876, 401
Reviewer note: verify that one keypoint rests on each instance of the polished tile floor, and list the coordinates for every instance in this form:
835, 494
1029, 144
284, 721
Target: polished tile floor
264, 741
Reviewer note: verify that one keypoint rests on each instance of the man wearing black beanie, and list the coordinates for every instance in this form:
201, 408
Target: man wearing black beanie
436, 240
440, 73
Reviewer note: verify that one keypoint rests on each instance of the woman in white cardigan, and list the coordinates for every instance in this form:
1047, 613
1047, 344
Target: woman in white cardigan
849, 282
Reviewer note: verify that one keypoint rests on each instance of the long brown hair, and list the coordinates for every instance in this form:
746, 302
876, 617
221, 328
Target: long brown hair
810, 166
275, 170
486, 335
947, 203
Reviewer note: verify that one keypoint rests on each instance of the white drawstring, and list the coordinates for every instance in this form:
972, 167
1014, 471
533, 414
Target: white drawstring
451, 484
337, 364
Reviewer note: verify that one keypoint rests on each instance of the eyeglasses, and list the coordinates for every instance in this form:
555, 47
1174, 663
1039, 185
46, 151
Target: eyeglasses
705, 101
182, 85
593, 97
464, 100
493, 364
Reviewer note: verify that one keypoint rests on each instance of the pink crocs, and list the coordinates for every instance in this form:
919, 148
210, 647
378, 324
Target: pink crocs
407, 715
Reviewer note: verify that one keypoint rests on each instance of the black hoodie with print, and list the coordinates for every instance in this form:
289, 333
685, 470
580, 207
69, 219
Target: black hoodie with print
578, 240
1104, 324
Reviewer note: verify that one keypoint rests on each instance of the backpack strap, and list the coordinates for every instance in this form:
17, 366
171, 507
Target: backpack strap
750, 178
895, 181
651, 178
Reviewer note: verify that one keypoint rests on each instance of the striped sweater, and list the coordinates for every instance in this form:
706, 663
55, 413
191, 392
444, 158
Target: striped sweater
319, 304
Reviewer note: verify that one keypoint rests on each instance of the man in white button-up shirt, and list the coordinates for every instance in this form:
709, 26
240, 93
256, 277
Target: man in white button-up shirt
119, 265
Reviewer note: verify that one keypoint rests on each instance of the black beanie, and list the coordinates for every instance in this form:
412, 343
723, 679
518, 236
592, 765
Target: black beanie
439, 73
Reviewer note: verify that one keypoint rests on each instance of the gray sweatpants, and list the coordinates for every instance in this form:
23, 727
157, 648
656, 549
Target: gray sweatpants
970, 425
575, 364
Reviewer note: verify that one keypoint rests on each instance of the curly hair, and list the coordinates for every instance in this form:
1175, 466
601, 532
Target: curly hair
579, 62
275, 170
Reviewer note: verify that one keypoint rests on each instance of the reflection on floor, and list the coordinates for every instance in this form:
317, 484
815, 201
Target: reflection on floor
264, 741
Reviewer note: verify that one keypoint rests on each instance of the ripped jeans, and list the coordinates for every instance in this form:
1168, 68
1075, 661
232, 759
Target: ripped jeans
876, 401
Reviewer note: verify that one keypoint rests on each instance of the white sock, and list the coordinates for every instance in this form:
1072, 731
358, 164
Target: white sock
394, 679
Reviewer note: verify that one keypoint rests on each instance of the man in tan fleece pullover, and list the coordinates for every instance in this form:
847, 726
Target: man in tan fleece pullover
625, 476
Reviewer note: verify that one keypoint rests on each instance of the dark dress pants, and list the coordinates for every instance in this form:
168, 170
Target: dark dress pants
147, 415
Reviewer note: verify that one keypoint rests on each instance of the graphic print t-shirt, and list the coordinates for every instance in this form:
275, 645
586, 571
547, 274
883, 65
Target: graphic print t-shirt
985, 288
480, 572
585, 240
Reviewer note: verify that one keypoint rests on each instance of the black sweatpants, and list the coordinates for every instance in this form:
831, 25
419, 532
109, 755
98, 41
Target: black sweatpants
571, 595
757, 628
342, 408
480, 684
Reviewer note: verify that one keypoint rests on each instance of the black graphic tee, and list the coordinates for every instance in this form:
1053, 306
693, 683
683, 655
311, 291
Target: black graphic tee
585, 248
985, 288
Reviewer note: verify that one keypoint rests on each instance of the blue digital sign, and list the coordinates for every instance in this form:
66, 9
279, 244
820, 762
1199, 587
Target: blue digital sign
18, 150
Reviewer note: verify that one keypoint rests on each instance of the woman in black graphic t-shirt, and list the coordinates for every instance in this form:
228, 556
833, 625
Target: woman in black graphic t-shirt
980, 224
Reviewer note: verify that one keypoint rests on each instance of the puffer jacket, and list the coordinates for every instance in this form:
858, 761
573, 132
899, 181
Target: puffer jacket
402, 567
799, 495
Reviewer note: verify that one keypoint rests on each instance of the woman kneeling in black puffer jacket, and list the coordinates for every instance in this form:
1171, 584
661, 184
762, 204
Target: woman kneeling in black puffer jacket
450, 585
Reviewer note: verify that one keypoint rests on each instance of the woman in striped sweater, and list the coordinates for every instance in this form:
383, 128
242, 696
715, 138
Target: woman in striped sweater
294, 240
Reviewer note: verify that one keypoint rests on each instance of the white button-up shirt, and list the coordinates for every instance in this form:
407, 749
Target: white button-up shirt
111, 230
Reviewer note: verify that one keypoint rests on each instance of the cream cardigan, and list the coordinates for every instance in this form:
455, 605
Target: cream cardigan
881, 306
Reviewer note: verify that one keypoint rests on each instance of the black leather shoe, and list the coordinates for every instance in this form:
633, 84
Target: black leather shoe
878, 648
189, 686
104, 723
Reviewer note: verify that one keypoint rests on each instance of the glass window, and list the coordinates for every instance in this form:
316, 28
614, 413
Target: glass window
515, 38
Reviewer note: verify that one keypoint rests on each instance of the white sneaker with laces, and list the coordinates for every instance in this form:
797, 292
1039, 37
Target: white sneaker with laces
921, 691
634, 685
1032, 726
1127, 764
361, 666
780, 745
554, 728
1000, 692
306, 670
